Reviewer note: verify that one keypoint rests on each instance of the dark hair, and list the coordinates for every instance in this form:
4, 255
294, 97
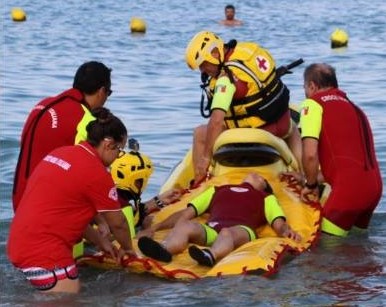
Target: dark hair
106, 125
230, 6
91, 76
323, 75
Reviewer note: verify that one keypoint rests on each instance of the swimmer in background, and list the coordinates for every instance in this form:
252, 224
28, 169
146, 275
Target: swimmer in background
230, 19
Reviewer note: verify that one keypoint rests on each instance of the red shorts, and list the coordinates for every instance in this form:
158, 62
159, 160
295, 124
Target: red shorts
353, 204
43, 279
282, 127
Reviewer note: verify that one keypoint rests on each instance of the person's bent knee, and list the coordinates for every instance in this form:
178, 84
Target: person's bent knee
238, 234
225, 232
186, 227
189, 229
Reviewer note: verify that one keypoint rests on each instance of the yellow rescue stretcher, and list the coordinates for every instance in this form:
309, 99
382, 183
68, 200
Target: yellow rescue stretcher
236, 152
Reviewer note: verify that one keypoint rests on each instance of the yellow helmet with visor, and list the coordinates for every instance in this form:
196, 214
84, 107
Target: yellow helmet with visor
200, 49
131, 172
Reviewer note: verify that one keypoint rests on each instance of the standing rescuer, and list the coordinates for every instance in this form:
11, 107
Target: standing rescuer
336, 135
60, 120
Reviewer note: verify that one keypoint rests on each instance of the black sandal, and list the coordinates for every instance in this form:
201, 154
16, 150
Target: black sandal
153, 249
202, 256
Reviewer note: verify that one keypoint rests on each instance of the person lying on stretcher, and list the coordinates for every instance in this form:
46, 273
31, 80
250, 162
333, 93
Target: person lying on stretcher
235, 212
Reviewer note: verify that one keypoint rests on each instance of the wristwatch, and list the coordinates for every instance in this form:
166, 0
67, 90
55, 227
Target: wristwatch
160, 204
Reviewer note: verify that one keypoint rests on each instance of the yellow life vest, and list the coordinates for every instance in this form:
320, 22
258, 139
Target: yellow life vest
267, 97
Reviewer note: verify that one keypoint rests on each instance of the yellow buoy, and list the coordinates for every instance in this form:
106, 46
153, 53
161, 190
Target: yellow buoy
137, 25
18, 14
339, 38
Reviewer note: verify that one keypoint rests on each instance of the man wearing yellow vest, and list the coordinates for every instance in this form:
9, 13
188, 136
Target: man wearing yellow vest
244, 91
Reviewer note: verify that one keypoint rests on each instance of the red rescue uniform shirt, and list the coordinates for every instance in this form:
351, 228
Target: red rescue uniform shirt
66, 190
62, 123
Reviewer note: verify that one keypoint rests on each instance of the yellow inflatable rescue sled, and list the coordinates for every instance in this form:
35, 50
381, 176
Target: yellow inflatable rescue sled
236, 152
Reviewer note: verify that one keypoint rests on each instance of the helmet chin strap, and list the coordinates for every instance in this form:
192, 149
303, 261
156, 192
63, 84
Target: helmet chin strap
227, 48
220, 67
205, 79
137, 206
130, 196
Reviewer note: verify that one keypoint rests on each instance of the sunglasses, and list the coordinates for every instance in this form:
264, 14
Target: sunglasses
118, 147
121, 150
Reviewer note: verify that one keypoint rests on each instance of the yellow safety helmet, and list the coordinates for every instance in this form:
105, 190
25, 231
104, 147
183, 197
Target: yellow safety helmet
131, 172
200, 49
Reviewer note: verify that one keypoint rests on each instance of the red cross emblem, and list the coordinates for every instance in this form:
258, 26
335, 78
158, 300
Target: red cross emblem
262, 63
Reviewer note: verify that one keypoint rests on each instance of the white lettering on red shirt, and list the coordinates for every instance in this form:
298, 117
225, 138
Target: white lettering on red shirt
57, 161
54, 118
333, 98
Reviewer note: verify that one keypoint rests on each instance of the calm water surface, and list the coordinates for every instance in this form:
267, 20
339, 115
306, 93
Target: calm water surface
158, 98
